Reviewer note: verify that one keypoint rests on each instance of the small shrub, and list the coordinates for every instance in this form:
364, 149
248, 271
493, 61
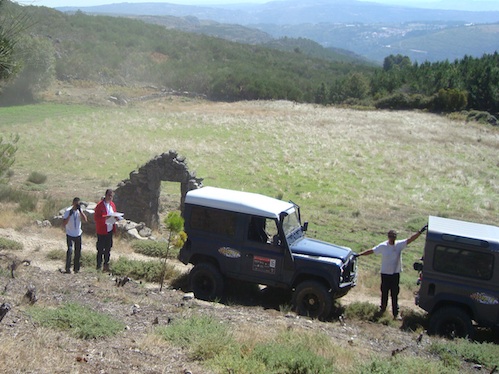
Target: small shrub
28, 203
7, 244
414, 321
203, 336
87, 258
82, 321
56, 255
402, 365
453, 352
363, 311
50, 207
150, 248
37, 178
403, 101
150, 271
26, 200
450, 100
482, 117
293, 359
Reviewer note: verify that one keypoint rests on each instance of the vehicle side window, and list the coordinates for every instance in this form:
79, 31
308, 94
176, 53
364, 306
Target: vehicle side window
463, 262
262, 230
214, 221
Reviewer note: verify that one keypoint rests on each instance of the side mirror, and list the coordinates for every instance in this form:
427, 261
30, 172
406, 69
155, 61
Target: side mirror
305, 226
418, 266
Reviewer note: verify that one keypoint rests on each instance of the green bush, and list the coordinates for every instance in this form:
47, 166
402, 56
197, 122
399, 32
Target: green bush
50, 207
414, 321
403, 101
28, 203
149, 248
363, 311
37, 178
10, 245
82, 321
87, 259
150, 271
453, 352
402, 365
482, 117
450, 100
291, 356
203, 336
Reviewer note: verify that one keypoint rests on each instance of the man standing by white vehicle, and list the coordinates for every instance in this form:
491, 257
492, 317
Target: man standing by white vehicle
391, 266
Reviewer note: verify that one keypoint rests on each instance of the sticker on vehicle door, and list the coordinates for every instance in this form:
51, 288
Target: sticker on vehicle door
229, 252
264, 264
483, 298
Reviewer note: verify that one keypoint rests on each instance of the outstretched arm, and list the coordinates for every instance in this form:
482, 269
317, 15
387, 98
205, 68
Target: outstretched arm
366, 253
416, 235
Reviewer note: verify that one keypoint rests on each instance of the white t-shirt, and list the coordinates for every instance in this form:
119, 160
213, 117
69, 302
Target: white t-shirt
110, 210
73, 227
391, 263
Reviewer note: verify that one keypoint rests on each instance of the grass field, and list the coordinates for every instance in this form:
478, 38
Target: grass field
356, 174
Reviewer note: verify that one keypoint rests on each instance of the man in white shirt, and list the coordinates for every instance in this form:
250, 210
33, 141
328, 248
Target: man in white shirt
72, 222
391, 266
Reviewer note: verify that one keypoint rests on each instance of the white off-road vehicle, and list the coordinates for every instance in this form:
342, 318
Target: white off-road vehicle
259, 239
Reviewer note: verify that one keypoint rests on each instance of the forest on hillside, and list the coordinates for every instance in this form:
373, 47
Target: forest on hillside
120, 51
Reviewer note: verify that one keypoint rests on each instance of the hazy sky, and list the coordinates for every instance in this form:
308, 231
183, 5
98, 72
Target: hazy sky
60, 3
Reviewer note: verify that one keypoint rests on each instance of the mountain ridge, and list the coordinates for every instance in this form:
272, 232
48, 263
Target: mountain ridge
370, 30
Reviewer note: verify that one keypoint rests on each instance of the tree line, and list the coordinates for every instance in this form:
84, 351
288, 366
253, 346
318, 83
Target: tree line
120, 51
466, 84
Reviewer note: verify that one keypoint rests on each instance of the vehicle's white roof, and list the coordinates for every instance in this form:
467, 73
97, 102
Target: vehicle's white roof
237, 201
465, 229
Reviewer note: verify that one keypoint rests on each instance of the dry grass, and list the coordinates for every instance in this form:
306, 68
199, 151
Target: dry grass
354, 173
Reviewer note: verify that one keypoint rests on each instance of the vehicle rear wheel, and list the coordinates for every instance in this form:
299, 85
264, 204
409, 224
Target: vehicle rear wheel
206, 281
451, 322
312, 299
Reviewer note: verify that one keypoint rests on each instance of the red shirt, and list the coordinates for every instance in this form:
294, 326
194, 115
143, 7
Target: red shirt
100, 214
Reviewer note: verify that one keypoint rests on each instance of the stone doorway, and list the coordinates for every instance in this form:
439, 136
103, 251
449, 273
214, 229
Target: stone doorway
138, 197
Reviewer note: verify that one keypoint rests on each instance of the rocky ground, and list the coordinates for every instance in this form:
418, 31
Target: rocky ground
142, 307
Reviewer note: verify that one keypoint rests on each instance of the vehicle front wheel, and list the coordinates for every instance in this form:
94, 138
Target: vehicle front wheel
451, 322
312, 299
206, 282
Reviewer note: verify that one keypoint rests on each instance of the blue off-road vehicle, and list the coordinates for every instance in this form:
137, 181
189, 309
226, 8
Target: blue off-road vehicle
459, 277
259, 239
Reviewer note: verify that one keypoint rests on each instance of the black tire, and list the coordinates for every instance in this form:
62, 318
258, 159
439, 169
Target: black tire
451, 322
312, 299
206, 282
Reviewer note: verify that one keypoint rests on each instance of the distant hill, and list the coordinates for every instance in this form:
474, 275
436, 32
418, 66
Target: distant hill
367, 29
295, 12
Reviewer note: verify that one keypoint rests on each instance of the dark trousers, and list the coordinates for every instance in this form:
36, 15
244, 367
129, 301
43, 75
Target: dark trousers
77, 242
390, 284
104, 245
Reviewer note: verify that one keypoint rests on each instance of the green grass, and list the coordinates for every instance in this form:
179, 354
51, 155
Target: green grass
151, 248
203, 336
355, 174
81, 321
452, 353
149, 271
212, 342
8, 244
402, 365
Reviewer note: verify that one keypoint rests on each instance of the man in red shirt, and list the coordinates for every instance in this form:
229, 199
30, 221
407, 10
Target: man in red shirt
105, 226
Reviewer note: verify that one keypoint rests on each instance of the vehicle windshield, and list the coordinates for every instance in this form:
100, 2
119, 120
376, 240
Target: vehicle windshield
291, 225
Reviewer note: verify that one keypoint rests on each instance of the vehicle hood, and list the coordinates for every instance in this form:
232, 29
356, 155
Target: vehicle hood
313, 247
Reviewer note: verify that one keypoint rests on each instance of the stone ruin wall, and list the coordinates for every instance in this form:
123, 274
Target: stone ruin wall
138, 196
